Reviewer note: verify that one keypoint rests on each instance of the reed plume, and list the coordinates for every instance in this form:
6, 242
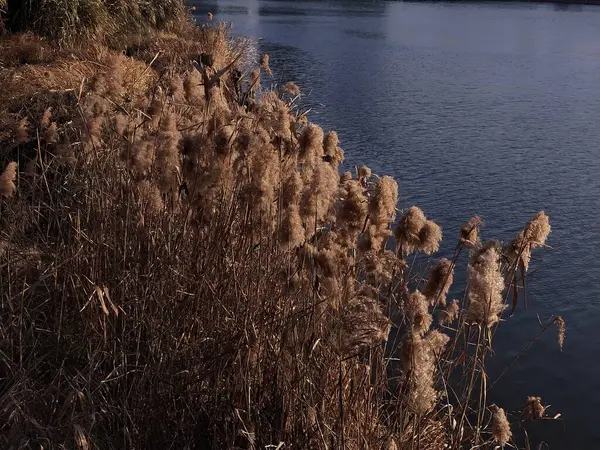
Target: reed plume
533, 409
439, 282
534, 235
7, 180
291, 88
560, 326
469, 233
500, 427
486, 283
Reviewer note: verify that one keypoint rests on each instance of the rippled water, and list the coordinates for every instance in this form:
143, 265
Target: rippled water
490, 109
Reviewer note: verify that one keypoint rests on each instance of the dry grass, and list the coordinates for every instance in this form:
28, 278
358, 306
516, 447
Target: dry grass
184, 267
107, 21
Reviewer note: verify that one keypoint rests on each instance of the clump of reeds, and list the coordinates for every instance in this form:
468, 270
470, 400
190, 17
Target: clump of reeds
68, 20
184, 266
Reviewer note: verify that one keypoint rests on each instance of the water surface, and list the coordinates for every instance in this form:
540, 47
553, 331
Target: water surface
490, 109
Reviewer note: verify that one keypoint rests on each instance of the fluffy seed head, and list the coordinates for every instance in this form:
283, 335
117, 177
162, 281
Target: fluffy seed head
419, 356
416, 308
560, 325
469, 233
264, 64
330, 144
364, 173
46, 118
346, 176
500, 427
22, 131
449, 315
534, 235
311, 143
7, 180
486, 284
291, 88
408, 229
533, 409
440, 280
430, 237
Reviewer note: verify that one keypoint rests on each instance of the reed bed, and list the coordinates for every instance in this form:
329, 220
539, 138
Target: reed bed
182, 265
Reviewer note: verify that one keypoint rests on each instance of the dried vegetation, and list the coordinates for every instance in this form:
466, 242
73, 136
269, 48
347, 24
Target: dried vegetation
182, 265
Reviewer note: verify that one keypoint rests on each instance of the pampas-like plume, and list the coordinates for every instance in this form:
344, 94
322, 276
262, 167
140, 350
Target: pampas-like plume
352, 212
22, 131
363, 324
223, 139
332, 151
291, 231
167, 154
382, 210
500, 426
414, 232
291, 88
264, 64
380, 268
46, 118
560, 325
275, 114
449, 315
408, 229
7, 180
150, 198
419, 356
416, 308
533, 409
50, 134
534, 235
430, 237
485, 288
193, 90
469, 233
311, 143
440, 280
364, 173
346, 176
319, 194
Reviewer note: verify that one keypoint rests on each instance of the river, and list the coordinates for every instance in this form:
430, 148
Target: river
475, 108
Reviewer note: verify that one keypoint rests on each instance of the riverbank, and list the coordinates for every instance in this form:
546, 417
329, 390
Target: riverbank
185, 266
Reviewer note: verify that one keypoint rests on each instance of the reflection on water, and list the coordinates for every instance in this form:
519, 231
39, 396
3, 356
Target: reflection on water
476, 108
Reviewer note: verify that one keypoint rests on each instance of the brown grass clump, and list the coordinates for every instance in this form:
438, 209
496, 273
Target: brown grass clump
184, 266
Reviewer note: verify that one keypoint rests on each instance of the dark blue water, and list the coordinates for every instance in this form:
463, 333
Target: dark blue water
490, 109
